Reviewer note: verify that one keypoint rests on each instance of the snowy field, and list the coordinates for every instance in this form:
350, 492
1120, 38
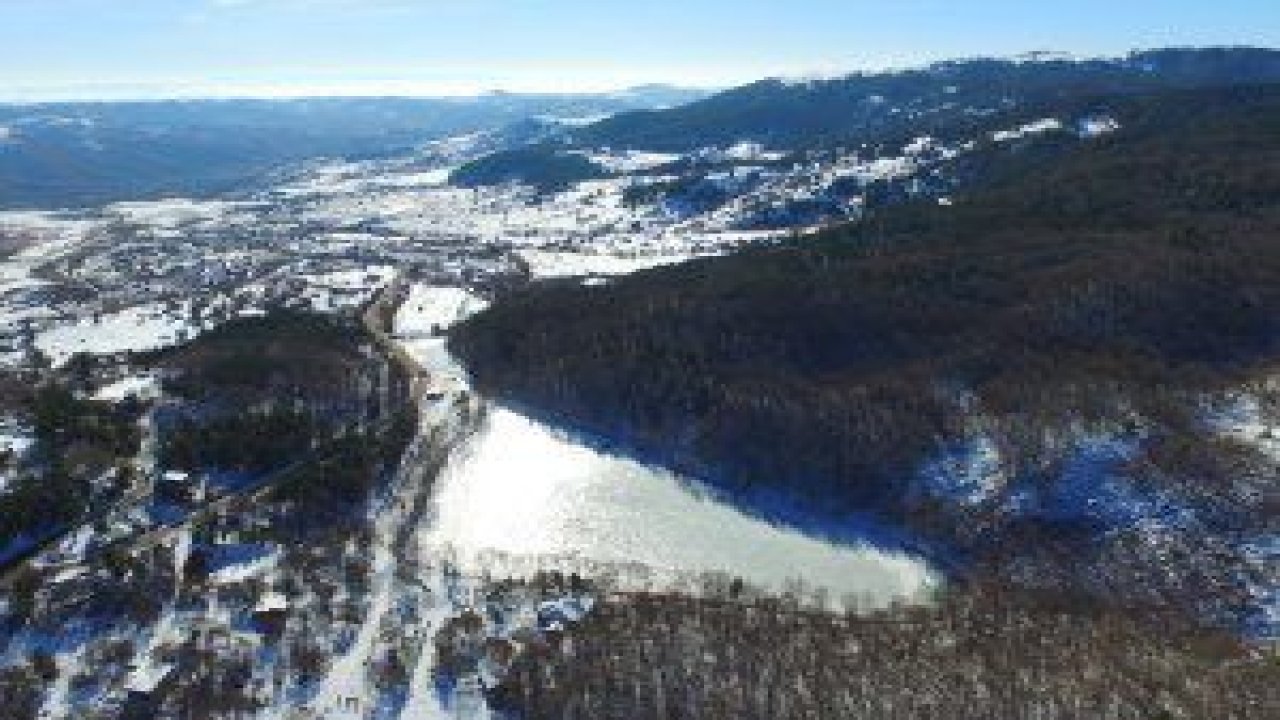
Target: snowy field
53, 235
175, 212
549, 264
430, 310
145, 327
345, 289
140, 387
422, 319
631, 161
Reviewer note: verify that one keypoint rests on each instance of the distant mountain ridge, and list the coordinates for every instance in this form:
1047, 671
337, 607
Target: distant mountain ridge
952, 102
56, 155
953, 94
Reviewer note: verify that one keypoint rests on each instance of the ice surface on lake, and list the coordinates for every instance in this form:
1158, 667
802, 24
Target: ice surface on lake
520, 488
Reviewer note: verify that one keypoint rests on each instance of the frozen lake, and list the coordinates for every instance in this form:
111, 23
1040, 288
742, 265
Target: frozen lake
521, 488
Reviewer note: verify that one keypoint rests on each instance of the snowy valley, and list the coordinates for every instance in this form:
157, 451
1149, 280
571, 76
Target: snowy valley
327, 444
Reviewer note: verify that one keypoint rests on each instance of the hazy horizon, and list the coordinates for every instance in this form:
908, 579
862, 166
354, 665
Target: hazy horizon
95, 50
302, 93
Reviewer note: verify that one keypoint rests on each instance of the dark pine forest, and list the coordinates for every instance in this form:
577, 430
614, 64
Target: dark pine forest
1119, 286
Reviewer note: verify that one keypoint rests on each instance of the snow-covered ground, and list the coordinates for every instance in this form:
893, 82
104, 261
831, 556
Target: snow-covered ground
1092, 127
145, 327
1037, 127
550, 264
345, 289
173, 212
968, 475
421, 321
1245, 421
430, 310
14, 438
52, 235
348, 678
357, 178
631, 161
141, 387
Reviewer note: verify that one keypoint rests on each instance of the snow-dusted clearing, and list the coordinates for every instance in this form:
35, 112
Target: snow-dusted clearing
53, 235
141, 387
631, 161
173, 212
1092, 127
14, 437
145, 327
1246, 422
419, 325
430, 310
356, 178
549, 264
1039, 127
755, 152
345, 289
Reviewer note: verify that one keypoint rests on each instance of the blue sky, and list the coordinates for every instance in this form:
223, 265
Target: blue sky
149, 48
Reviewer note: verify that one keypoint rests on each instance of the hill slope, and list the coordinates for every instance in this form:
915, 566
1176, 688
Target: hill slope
942, 99
77, 154
1061, 377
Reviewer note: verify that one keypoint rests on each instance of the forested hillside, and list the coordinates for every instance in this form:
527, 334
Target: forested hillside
1067, 376
941, 99
976, 654
80, 154
262, 394
540, 166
